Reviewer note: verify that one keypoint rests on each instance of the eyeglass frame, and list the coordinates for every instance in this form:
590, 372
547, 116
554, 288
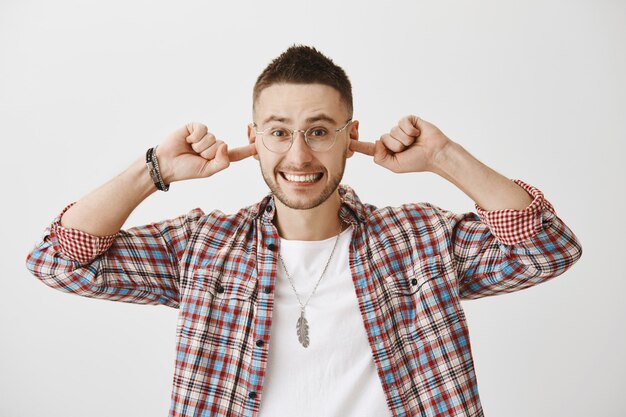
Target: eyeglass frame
306, 140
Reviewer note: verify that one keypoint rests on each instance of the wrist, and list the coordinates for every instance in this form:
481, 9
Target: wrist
444, 160
164, 166
140, 177
152, 165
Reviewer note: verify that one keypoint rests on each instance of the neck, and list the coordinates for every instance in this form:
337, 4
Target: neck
319, 223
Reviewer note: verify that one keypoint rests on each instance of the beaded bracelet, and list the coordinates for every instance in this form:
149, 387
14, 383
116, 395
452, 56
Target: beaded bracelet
153, 168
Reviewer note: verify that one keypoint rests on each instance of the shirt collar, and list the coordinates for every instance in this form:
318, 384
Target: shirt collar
352, 209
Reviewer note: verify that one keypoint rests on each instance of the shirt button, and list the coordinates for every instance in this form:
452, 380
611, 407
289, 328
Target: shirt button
271, 246
259, 343
220, 289
252, 395
267, 290
414, 281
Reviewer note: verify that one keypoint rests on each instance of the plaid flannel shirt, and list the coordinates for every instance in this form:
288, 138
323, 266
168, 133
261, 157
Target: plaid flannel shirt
411, 267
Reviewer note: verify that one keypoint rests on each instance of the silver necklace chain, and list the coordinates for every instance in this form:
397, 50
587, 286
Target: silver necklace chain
302, 325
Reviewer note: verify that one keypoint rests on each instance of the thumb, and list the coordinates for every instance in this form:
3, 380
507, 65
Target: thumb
221, 160
382, 154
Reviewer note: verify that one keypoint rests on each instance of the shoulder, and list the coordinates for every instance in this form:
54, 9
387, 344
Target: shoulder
217, 218
223, 226
408, 213
405, 216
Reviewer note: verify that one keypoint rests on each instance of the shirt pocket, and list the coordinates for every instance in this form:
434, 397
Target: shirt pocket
423, 303
410, 281
217, 313
222, 285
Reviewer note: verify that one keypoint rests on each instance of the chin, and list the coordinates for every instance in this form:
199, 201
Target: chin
302, 203
297, 201
303, 196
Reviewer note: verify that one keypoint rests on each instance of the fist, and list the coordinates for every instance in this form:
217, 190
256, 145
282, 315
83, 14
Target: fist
193, 152
410, 146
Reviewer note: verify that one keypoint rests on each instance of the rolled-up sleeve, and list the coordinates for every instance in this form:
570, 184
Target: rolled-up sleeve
138, 265
507, 250
511, 226
76, 244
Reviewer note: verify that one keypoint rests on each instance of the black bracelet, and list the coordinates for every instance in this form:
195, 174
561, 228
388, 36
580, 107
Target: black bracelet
154, 171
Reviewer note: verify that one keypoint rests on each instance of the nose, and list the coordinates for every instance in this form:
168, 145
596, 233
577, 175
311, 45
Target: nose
299, 153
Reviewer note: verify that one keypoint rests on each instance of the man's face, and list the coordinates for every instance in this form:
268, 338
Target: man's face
302, 178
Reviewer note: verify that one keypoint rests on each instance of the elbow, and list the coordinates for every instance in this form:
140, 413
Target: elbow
41, 264
573, 253
565, 254
56, 271
558, 249
35, 262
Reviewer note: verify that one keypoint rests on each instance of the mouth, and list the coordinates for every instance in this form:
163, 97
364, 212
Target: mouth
302, 178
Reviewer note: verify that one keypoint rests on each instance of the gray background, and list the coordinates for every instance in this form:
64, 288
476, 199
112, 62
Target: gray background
533, 89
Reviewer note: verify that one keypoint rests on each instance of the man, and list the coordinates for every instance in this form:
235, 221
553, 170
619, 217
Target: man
384, 332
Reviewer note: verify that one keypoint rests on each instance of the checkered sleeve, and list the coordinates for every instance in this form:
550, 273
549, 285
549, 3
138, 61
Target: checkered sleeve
138, 265
76, 244
507, 250
511, 226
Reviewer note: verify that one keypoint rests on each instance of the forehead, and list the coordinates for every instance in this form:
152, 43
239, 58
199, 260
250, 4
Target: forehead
299, 101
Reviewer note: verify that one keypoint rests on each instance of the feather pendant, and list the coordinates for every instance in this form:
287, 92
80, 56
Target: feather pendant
303, 330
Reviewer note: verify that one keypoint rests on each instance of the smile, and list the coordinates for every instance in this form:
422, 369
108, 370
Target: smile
307, 178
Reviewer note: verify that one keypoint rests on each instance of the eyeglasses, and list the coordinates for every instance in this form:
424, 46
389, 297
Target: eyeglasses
319, 138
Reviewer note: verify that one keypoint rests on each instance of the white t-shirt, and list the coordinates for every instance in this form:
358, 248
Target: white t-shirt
335, 375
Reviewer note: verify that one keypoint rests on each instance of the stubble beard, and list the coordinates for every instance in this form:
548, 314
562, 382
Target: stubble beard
321, 198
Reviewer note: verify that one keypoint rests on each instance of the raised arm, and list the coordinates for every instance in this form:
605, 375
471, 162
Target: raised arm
514, 242
189, 152
84, 251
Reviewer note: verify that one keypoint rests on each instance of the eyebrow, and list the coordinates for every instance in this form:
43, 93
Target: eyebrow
322, 117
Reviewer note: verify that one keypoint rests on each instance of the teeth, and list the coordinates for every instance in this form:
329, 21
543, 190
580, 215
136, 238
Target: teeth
302, 178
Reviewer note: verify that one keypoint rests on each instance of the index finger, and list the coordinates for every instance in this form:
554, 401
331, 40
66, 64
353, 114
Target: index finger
366, 148
237, 154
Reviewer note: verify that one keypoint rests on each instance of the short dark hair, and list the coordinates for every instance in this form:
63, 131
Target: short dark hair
301, 64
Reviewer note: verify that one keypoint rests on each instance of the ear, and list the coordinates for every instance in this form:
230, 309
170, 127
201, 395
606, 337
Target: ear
353, 134
252, 138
